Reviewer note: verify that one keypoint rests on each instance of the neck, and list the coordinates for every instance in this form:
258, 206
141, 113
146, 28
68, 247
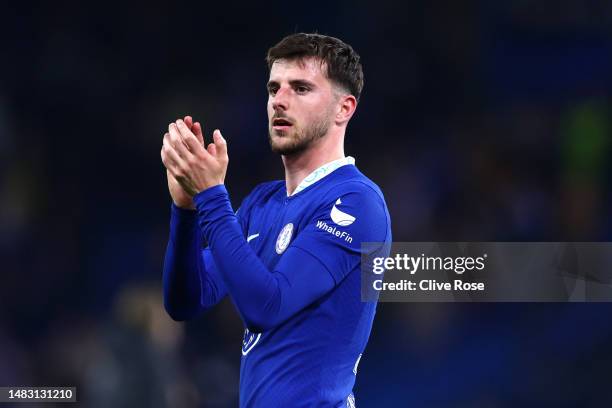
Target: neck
300, 165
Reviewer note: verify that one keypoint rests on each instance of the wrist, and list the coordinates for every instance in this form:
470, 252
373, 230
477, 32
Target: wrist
208, 196
182, 210
207, 186
185, 207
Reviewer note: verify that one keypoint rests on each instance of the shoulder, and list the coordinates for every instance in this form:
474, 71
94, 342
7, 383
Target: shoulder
362, 192
354, 202
261, 194
265, 190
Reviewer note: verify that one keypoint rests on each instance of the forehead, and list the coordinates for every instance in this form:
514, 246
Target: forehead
310, 69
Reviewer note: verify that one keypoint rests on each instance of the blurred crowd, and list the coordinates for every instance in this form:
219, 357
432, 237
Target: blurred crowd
481, 121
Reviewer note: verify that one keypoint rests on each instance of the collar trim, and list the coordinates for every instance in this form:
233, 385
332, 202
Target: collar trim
323, 171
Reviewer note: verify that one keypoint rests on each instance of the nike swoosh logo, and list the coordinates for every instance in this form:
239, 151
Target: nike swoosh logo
252, 237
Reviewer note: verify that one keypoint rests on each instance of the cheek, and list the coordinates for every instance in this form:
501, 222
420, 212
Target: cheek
321, 107
320, 112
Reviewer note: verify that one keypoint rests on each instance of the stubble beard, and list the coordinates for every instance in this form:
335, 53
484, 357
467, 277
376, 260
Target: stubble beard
300, 139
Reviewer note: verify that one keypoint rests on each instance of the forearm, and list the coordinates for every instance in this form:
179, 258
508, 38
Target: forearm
182, 286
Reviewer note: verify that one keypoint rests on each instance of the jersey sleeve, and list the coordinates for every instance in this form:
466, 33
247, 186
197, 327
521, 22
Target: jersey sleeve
190, 279
354, 214
190, 283
264, 298
309, 268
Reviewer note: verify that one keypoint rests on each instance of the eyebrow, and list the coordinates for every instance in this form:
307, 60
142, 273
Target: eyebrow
294, 83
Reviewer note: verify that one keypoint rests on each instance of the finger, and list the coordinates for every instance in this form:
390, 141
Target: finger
173, 161
164, 156
189, 138
197, 131
178, 141
212, 149
173, 135
184, 130
194, 145
220, 143
167, 162
188, 121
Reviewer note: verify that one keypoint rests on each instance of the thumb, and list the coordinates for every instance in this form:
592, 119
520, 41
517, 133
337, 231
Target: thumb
220, 143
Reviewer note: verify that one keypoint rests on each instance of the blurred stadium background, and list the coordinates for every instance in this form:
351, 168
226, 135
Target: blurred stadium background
480, 120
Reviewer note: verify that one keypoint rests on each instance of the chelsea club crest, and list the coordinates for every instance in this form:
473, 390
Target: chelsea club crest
282, 242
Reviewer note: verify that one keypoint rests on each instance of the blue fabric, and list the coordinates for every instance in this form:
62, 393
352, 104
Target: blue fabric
296, 284
190, 278
264, 297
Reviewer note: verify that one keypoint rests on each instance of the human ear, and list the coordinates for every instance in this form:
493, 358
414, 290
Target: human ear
346, 107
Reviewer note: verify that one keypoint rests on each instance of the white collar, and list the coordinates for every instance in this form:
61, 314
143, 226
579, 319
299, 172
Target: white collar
324, 170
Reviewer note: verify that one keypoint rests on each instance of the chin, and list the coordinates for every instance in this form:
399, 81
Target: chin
280, 148
280, 139
286, 143
288, 149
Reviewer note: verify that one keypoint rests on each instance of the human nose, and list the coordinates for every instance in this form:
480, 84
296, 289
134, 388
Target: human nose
281, 99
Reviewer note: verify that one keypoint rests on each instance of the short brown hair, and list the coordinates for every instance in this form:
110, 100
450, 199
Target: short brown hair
342, 62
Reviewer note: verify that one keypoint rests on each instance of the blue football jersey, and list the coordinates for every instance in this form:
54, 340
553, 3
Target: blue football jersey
311, 358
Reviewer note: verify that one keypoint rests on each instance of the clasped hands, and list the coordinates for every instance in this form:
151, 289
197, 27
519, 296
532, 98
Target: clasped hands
191, 166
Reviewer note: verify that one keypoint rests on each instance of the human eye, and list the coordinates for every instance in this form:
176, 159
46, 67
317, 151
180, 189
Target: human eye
302, 89
272, 89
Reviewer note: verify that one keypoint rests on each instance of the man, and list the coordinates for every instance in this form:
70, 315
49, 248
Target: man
290, 257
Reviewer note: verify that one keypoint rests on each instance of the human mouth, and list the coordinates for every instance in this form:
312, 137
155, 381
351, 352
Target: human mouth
281, 124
